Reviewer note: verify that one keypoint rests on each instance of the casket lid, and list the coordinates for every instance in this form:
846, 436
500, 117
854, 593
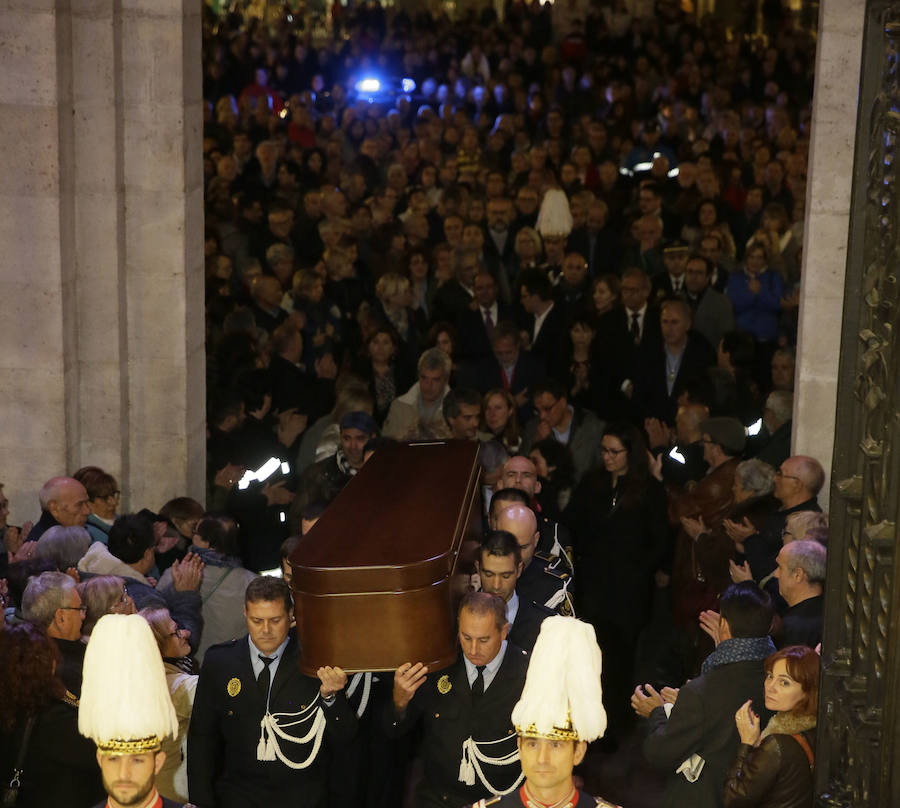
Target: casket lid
396, 526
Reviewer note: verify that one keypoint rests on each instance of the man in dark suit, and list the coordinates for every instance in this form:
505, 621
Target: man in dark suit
455, 296
663, 374
701, 721
507, 367
476, 325
596, 241
544, 320
464, 708
499, 244
713, 314
499, 566
232, 760
624, 331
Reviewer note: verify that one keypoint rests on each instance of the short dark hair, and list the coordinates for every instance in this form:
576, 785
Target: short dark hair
481, 603
537, 283
98, 483
454, 400
130, 537
747, 608
553, 387
288, 546
221, 531
510, 496
269, 589
501, 543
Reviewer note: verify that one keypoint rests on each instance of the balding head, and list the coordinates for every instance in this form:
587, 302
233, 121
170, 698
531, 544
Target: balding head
522, 523
66, 500
688, 421
799, 479
520, 472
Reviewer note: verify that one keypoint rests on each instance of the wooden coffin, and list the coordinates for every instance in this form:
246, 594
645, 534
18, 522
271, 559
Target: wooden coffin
376, 579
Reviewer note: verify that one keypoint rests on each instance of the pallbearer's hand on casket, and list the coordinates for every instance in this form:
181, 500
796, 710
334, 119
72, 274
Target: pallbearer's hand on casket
332, 679
407, 680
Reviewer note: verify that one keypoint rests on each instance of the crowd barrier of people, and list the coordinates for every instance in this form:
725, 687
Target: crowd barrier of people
573, 236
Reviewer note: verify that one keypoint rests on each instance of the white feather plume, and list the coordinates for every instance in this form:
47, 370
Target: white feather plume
554, 218
563, 681
124, 693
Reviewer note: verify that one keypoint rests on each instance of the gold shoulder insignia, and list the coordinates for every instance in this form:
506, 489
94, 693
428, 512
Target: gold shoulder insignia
234, 687
444, 685
545, 557
562, 575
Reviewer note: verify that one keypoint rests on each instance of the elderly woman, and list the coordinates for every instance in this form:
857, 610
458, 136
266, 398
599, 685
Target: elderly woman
755, 293
64, 546
103, 594
753, 504
103, 499
171, 781
394, 307
60, 766
773, 767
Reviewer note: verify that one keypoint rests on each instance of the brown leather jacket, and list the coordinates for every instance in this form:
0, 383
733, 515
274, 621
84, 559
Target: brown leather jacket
775, 774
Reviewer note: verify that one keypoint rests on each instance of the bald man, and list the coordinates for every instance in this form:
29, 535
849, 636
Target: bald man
64, 501
798, 481
544, 579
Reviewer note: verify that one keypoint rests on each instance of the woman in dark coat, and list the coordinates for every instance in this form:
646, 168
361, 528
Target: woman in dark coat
60, 766
618, 517
774, 768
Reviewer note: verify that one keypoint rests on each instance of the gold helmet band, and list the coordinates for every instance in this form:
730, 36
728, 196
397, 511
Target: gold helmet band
132, 746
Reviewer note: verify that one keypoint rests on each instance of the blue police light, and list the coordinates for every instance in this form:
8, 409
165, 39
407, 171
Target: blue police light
408, 85
368, 85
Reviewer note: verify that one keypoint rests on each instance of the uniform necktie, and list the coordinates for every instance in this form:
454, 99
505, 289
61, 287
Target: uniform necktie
636, 327
478, 684
265, 677
488, 323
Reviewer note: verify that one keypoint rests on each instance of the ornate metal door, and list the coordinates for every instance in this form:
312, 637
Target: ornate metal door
858, 755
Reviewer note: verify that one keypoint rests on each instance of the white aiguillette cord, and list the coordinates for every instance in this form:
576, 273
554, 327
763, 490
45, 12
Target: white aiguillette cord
366, 679
472, 758
270, 731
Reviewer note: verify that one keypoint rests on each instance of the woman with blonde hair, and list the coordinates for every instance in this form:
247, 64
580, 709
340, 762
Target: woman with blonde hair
100, 595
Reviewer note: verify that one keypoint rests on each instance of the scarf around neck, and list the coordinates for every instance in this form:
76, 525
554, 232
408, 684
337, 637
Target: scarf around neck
738, 649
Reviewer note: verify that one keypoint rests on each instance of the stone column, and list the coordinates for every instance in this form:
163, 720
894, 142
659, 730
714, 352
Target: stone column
102, 261
838, 60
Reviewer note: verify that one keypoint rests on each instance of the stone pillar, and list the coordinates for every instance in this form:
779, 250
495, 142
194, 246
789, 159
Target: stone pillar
838, 59
102, 260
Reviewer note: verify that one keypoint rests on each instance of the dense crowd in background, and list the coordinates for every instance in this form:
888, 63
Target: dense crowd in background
574, 237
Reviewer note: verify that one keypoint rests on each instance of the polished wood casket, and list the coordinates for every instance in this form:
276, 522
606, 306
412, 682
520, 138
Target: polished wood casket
377, 578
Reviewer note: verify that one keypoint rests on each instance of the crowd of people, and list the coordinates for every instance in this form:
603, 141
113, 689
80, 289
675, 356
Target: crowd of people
572, 236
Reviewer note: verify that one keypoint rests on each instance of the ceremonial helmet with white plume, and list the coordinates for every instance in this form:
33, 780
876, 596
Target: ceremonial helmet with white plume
125, 706
562, 698
554, 218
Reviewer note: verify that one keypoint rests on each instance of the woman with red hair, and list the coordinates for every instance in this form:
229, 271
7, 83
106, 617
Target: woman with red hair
774, 767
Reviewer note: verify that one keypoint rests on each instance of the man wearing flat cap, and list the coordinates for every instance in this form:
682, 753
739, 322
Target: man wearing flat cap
324, 480
694, 513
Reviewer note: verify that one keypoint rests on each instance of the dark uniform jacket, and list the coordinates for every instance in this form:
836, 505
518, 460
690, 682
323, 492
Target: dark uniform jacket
445, 704
542, 579
225, 729
527, 625
702, 722
518, 800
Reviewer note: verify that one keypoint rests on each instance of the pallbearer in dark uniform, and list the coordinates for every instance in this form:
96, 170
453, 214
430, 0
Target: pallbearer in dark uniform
499, 566
126, 710
560, 712
260, 730
468, 745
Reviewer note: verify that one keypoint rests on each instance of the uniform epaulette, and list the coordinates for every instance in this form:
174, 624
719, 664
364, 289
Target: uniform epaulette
546, 557
224, 644
556, 573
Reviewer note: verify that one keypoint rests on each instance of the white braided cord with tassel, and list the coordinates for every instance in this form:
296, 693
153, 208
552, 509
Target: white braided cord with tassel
366, 679
473, 757
270, 730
